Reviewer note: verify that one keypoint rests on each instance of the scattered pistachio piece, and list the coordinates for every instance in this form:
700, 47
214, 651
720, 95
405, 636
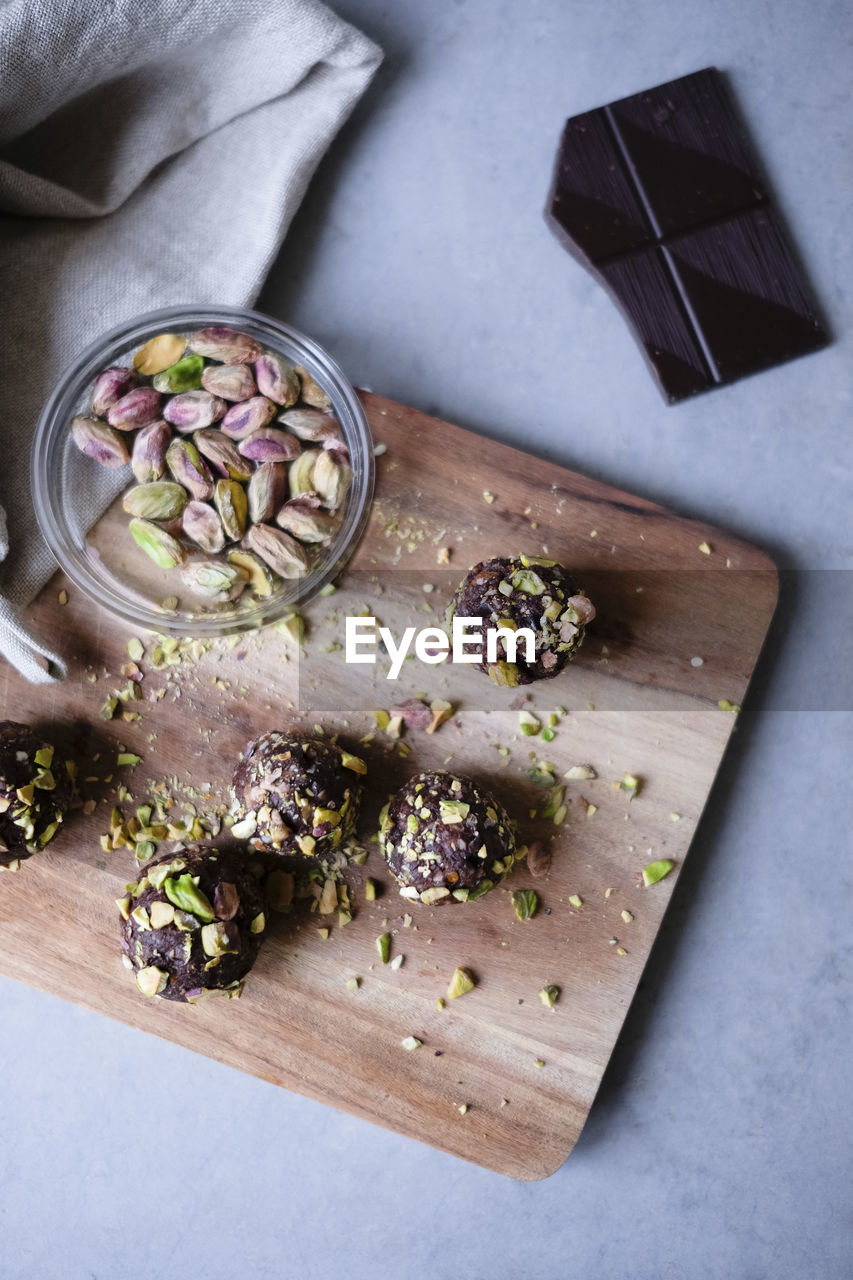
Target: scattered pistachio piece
630, 784
575, 899
383, 946
461, 982
705, 548
528, 724
441, 711
525, 903
353, 984
439, 1004
549, 996
656, 871
580, 773
151, 980
725, 705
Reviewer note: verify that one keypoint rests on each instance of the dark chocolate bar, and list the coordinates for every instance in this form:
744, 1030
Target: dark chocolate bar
659, 196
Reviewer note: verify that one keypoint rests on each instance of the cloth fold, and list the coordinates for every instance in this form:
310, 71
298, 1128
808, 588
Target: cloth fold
151, 153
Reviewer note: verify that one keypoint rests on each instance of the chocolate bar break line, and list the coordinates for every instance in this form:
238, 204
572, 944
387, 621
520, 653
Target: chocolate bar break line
660, 197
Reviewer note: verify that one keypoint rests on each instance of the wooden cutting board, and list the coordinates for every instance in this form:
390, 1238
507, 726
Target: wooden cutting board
636, 700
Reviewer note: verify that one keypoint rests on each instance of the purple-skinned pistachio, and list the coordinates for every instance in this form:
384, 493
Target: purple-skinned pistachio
267, 487
193, 410
148, 458
229, 381
110, 386
135, 409
226, 900
189, 468
94, 438
202, 526
268, 444
230, 500
276, 379
312, 393
311, 424
227, 345
247, 416
284, 555
303, 518
219, 450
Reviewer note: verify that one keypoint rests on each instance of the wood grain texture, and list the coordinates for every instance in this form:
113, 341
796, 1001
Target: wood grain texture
661, 603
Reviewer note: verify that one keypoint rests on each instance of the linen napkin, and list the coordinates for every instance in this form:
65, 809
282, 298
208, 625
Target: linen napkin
152, 152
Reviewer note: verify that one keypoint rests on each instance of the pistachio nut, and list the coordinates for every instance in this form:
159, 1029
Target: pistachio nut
228, 345
159, 353
219, 450
137, 408
580, 610
151, 980
284, 555
331, 479
159, 500
150, 443
303, 518
110, 386
261, 578
202, 526
163, 549
276, 379
184, 893
311, 424
226, 900
194, 409
247, 416
189, 468
184, 375
94, 438
219, 582
267, 487
220, 938
268, 444
300, 474
230, 381
312, 392
229, 498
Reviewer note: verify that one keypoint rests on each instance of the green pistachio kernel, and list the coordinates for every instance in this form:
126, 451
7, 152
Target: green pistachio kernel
656, 871
549, 996
183, 892
383, 946
525, 902
461, 982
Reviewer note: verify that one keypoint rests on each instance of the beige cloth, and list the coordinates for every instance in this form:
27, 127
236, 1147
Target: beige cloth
152, 152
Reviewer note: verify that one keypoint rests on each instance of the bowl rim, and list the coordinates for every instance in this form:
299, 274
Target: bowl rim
62, 404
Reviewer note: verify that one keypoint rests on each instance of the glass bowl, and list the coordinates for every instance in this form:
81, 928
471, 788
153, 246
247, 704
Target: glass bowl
78, 502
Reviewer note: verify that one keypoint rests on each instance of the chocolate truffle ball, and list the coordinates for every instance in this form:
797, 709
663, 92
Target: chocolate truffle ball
296, 795
35, 793
445, 839
192, 925
524, 592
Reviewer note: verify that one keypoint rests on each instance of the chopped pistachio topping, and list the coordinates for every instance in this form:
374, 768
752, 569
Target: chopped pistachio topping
183, 892
383, 946
259, 923
441, 711
453, 811
461, 982
217, 939
370, 890
549, 996
123, 905
429, 896
656, 871
480, 890
151, 980
355, 763
525, 902
161, 914
44, 757
127, 758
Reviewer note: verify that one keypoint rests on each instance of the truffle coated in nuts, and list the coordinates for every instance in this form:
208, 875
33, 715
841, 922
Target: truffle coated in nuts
35, 792
445, 839
206, 944
529, 592
296, 795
